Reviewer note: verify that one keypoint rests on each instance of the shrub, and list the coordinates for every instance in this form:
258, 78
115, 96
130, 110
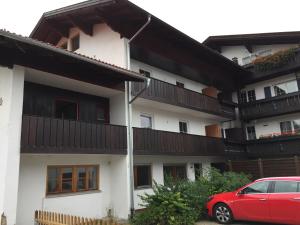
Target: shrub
183, 202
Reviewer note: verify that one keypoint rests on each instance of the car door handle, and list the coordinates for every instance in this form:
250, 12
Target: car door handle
264, 199
297, 199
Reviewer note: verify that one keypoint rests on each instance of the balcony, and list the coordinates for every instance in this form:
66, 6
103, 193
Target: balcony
275, 106
156, 142
58, 136
171, 94
256, 75
274, 147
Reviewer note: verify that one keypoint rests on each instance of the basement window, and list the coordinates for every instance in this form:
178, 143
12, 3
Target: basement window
142, 176
75, 43
176, 172
69, 179
183, 127
66, 110
146, 121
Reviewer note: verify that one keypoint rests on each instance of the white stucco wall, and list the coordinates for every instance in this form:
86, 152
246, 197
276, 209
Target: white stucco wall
157, 163
11, 92
166, 76
32, 189
117, 109
169, 120
259, 86
271, 125
105, 44
240, 51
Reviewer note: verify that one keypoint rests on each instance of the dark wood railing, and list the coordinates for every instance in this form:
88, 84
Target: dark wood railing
279, 105
274, 147
50, 135
156, 142
171, 94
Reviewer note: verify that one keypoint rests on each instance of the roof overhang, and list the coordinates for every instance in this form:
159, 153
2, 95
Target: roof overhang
18, 50
181, 54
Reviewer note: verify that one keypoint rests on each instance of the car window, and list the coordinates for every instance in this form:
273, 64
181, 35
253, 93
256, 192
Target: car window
285, 186
256, 188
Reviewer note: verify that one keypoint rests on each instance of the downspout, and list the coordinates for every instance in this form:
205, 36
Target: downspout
130, 100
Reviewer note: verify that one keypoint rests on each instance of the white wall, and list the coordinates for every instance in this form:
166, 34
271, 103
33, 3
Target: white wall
117, 109
157, 163
105, 44
169, 121
271, 125
166, 76
259, 86
32, 189
240, 51
11, 92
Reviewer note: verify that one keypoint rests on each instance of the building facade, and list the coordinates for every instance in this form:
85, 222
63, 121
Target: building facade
65, 111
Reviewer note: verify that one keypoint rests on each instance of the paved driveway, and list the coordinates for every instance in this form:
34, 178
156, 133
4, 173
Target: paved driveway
236, 223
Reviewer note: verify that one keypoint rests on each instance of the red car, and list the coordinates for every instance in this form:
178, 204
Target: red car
273, 200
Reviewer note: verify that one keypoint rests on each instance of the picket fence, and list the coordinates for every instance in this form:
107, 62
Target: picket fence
52, 218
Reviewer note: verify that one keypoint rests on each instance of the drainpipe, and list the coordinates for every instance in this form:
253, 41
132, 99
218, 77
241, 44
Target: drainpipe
130, 100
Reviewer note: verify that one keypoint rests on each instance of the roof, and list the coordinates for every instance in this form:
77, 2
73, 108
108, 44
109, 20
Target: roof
159, 37
16, 49
292, 37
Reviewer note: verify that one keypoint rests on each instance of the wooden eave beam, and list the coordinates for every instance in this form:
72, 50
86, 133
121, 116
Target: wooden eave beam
84, 27
62, 31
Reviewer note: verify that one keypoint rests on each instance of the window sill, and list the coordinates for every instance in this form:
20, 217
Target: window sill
72, 194
143, 188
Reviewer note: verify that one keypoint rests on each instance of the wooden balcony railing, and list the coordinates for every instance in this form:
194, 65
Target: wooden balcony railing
171, 94
50, 135
274, 146
279, 105
156, 142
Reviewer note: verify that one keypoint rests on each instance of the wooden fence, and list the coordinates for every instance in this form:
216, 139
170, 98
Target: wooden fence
267, 167
51, 218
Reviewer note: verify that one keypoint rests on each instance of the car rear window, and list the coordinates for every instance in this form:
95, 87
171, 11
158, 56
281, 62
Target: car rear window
286, 186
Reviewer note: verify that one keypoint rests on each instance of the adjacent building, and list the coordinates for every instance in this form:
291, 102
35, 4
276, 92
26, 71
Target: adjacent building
75, 101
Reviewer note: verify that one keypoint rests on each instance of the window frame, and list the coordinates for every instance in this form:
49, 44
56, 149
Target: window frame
251, 98
150, 174
248, 127
174, 169
269, 188
243, 97
72, 41
74, 179
187, 127
66, 100
149, 116
274, 185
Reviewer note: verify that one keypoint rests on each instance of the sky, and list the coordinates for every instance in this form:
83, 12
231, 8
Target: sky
197, 18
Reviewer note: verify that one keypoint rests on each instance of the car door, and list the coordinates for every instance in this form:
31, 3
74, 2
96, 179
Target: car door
252, 202
284, 202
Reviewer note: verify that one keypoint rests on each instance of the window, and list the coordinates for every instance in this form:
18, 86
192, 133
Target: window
285, 127
285, 88
145, 73
251, 96
100, 113
257, 188
142, 176
251, 134
183, 127
146, 121
177, 172
198, 170
267, 91
179, 84
285, 186
75, 43
296, 124
243, 97
66, 110
67, 179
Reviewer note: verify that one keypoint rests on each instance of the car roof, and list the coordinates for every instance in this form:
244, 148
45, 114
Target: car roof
294, 178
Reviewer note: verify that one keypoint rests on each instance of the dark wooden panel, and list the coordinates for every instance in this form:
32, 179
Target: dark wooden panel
274, 106
57, 136
40, 100
155, 142
274, 147
171, 94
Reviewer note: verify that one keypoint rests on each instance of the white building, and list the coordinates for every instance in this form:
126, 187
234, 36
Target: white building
64, 120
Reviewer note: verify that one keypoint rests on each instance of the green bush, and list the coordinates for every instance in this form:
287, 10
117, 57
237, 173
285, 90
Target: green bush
183, 202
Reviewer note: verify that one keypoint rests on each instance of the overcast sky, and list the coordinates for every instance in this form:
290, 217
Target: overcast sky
197, 18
